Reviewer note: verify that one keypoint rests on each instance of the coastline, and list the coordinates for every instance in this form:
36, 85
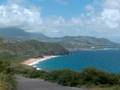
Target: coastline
33, 61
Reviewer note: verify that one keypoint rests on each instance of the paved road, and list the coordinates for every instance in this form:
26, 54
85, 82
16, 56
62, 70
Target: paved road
35, 84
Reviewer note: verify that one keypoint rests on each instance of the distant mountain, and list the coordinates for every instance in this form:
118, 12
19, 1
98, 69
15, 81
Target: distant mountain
87, 43
13, 32
70, 43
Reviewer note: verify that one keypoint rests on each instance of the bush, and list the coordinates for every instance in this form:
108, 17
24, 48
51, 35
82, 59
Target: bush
30, 72
87, 77
64, 77
7, 79
7, 82
95, 77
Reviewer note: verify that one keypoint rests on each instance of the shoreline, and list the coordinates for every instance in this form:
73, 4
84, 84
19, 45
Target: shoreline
33, 61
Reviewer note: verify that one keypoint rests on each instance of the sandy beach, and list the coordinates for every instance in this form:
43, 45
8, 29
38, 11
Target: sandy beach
33, 61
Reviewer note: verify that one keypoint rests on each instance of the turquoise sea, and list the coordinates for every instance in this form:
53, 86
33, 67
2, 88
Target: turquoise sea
102, 60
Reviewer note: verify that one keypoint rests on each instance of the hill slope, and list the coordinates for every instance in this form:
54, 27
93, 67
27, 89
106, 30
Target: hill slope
70, 43
29, 48
87, 43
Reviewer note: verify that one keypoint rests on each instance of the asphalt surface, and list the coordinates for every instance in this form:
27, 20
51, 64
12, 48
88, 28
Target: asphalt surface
36, 84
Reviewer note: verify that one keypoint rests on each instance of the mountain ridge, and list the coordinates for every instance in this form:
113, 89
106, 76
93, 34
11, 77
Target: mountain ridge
69, 42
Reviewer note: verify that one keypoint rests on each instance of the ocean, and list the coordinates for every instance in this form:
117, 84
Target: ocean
108, 61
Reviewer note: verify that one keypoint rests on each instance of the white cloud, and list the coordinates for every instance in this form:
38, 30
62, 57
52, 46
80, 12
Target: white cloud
111, 13
112, 4
104, 23
111, 17
12, 14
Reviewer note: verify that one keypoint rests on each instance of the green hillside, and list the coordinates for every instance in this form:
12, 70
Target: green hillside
71, 43
27, 49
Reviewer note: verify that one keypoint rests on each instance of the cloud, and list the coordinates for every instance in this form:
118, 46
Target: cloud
111, 17
111, 13
13, 14
103, 23
113, 4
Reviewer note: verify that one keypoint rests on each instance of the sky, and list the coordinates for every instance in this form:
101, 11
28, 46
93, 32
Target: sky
58, 18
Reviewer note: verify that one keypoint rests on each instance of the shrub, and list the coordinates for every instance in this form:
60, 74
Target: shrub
95, 77
7, 79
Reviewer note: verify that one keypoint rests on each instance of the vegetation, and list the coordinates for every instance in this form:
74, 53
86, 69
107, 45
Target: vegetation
86, 77
68, 42
12, 52
106, 88
92, 78
16, 51
7, 79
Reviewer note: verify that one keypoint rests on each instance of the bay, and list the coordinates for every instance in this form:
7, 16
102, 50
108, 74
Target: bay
108, 61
